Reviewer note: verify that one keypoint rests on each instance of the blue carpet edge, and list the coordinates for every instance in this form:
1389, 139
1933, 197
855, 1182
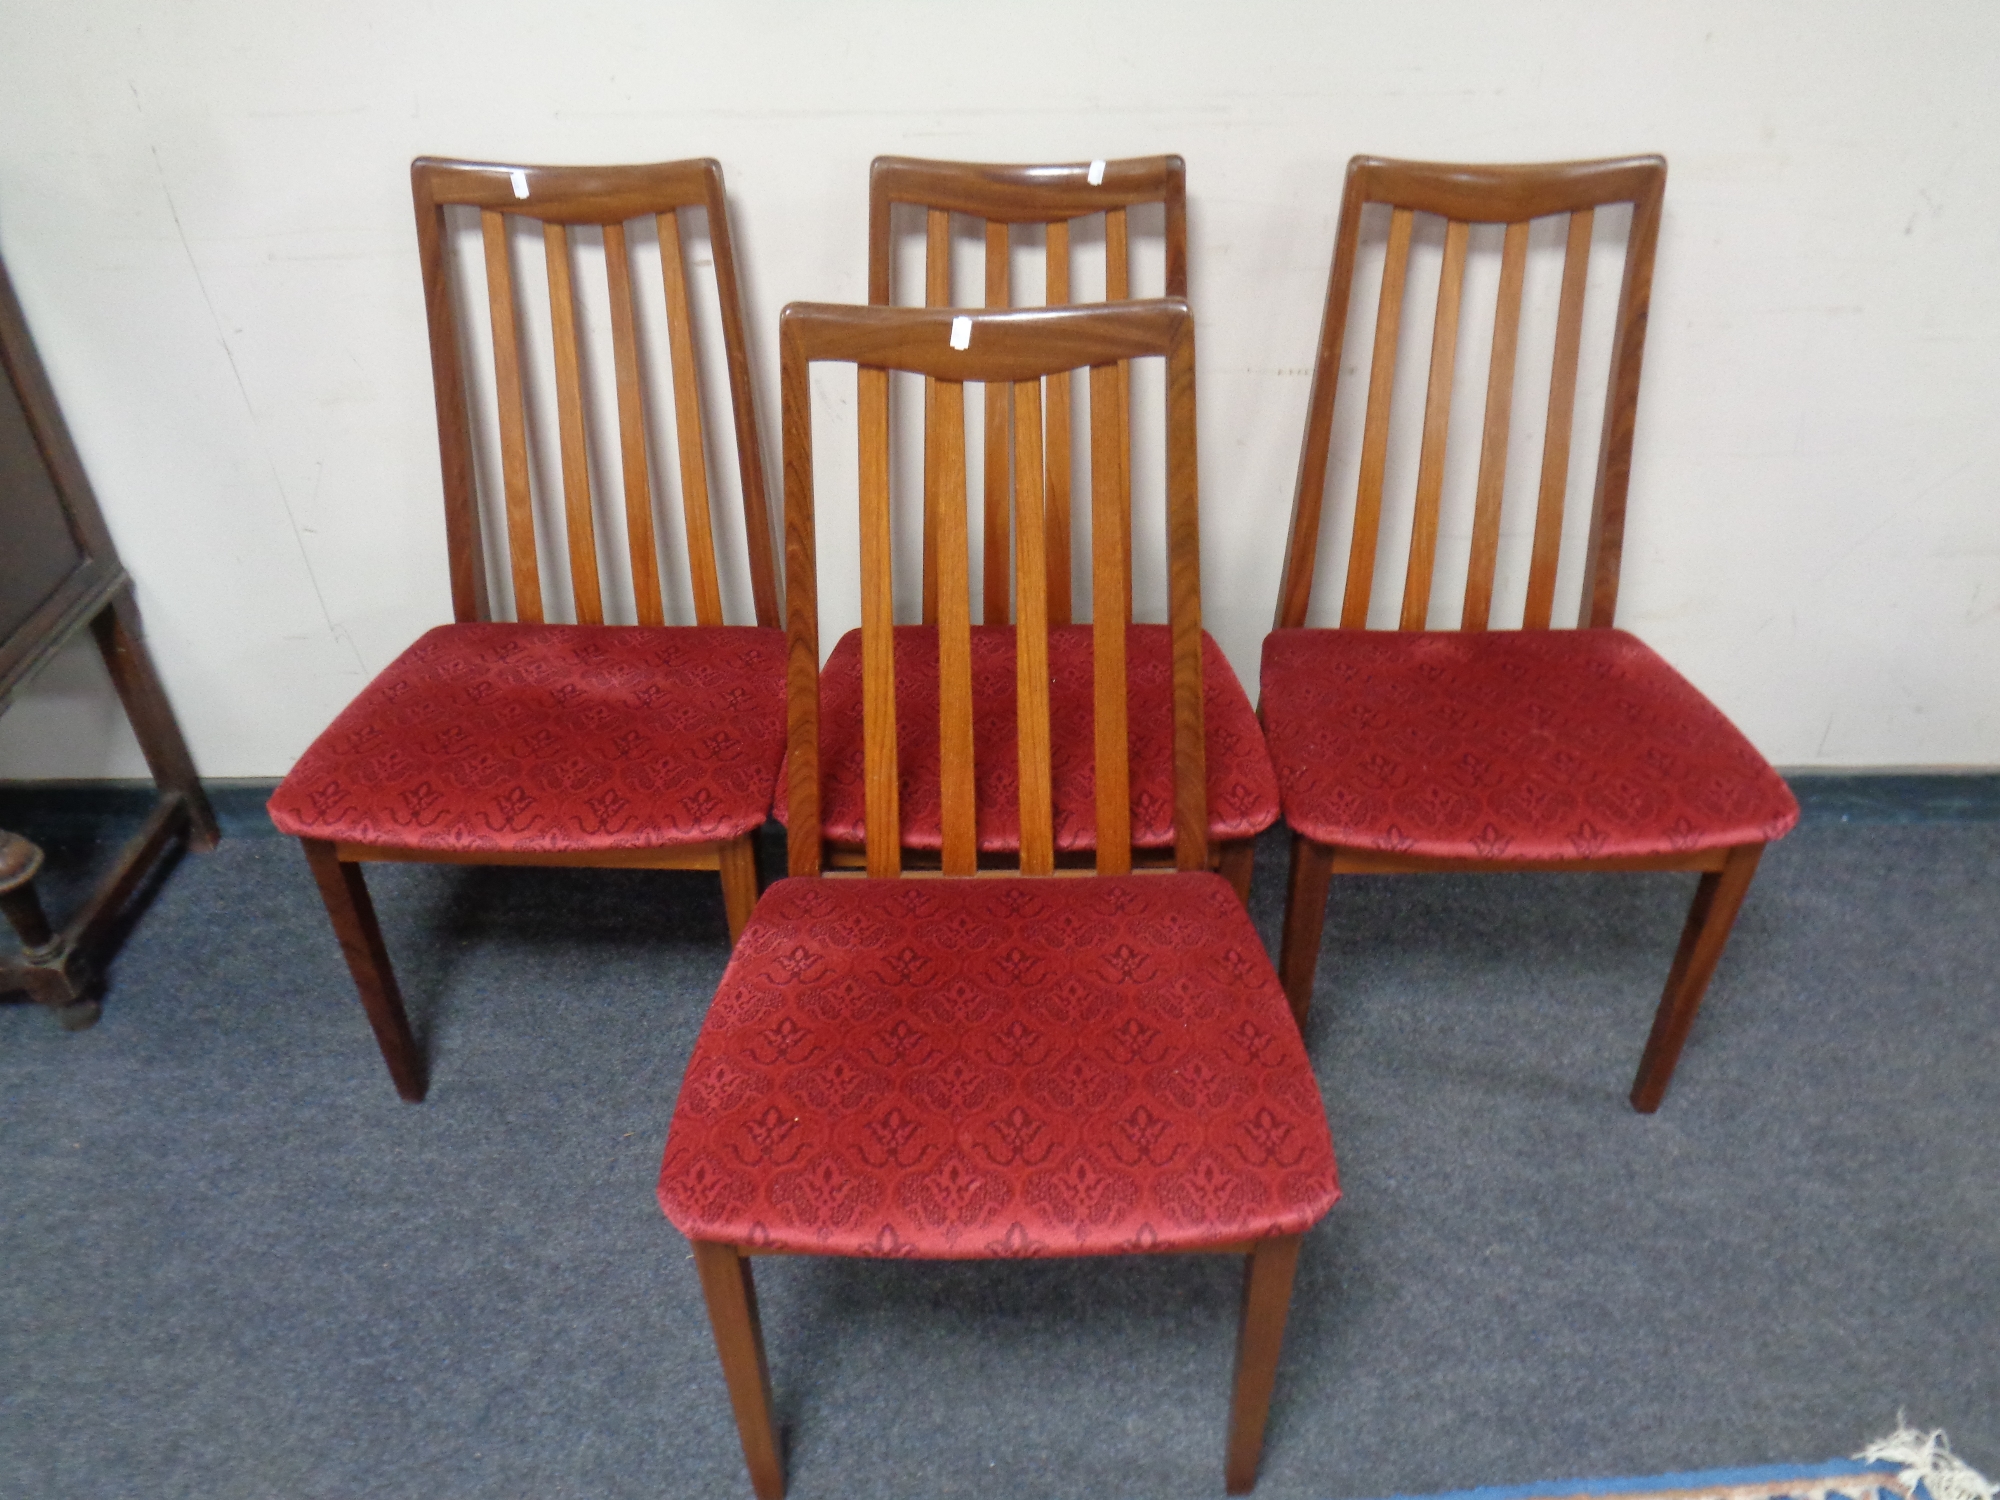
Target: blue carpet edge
1695, 1479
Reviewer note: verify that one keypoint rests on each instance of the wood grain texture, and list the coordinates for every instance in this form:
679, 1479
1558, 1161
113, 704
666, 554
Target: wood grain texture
878, 658
1021, 194
937, 293
1437, 427
1056, 487
1484, 560
1561, 423
640, 539
954, 618
1605, 546
696, 500
580, 523
1118, 288
996, 496
524, 565
1184, 606
731, 1294
1355, 599
1267, 1297
803, 844
1110, 567
1031, 640
463, 544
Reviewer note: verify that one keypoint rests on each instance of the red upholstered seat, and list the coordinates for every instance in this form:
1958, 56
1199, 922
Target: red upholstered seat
1242, 788
962, 1069
1529, 745
498, 737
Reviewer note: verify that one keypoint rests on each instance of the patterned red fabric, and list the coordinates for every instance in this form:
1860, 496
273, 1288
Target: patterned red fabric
551, 737
964, 1069
1507, 744
1242, 788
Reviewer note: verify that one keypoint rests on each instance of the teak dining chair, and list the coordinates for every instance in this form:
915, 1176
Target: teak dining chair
1475, 749
983, 1065
528, 742
1242, 788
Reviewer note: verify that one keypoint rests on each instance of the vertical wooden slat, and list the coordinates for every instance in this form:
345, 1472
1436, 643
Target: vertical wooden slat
1556, 437
803, 843
937, 293
1599, 604
646, 596
1055, 494
465, 553
1309, 492
1375, 426
764, 580
1437, 427
1184, 607
995, 497
1031, 637
1493, 440
695, 498
1108, 634
878, 664
1118, 288
954, 596
584, 586
513, 420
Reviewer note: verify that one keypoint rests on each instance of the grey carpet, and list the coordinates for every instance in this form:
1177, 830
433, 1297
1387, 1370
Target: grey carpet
233, 1264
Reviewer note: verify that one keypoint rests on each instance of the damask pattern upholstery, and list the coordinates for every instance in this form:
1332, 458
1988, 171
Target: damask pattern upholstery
1242, 787
505, 737
963, 1069
1518, 744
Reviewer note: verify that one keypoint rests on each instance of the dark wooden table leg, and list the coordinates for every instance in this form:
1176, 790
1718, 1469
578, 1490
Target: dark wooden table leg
49, 969
123, 645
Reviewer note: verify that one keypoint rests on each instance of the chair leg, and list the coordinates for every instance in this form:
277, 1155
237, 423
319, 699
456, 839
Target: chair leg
1305, 915
1267, 1297
738, 859
739, 1340
346, 896
1716, 901
1234, 865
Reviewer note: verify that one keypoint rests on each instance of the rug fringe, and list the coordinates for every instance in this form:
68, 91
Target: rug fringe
1928, 1460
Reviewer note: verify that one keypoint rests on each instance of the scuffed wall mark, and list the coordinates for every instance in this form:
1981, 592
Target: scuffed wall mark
1824, 736
334, 631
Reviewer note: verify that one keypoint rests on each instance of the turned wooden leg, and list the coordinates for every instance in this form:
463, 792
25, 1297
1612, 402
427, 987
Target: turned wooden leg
1238, 855
1305, 915
122, 643
739, 1340
738, 860
1267, 1297
346, 896
1716, 901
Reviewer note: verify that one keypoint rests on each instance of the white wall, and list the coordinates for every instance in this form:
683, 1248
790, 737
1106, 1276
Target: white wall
205, 209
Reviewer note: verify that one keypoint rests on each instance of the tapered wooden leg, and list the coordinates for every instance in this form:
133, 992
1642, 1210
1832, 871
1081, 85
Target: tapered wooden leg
739, 1340
122, 643
346, 896
1238, 856
1716, 901
1305, 914
739, 882
1267, 1297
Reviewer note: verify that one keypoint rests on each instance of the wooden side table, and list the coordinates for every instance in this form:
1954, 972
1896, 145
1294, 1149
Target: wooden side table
60, 575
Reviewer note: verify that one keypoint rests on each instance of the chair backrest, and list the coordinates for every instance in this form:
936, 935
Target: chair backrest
567, 202
1053, 197
1463, 196
1020, 350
